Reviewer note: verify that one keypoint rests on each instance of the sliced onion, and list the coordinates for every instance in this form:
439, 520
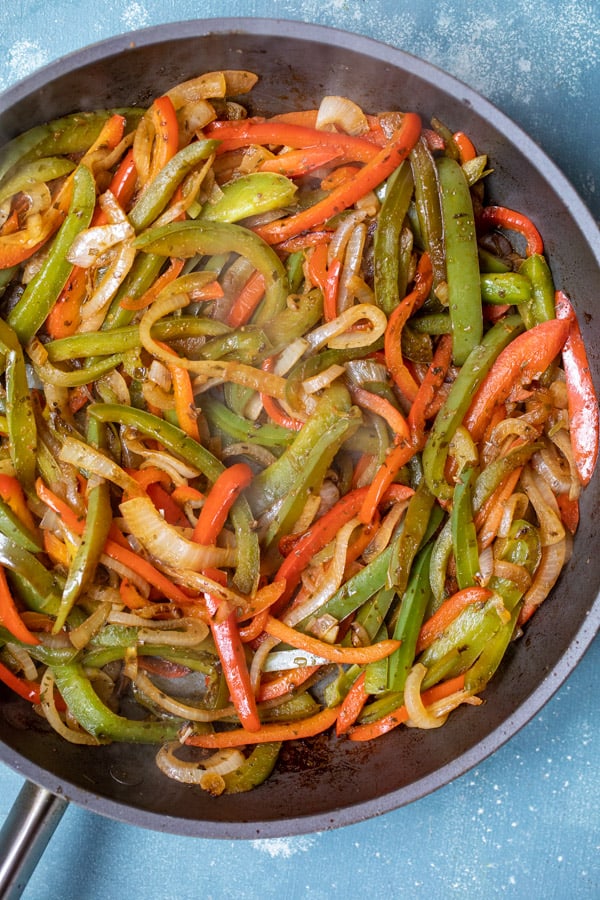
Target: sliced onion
418, 714
546, 574
341, 235
561, 439
165, 543
259, 454
82, 635
384, 533
90, 244
87, 458
514, 508
52, 715
352, 265
323, 379
342, 113
513, 572
111, 207
544, 504
552, 468
23, 660
177, 707
203, 772
188, 632
336, 334
259, 660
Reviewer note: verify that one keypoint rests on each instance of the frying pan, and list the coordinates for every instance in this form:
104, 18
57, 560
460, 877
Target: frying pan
327, 782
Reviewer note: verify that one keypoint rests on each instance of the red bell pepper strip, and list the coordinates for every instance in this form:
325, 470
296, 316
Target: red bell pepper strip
213, 515
166, 134
465, 146
382, 407
236, 134
502, 217
285, 682
295, 163
272, 731
396, 322
12, 493
247, 300
331, 652
9, 614
581, 395
523, 360
326, 278
370, 176
429, 387
397, 457
372, 730
352, 705
319, 535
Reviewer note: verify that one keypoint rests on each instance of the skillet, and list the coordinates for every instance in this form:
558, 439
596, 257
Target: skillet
326, 783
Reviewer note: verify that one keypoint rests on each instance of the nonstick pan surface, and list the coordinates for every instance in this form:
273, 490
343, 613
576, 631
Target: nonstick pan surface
328, 782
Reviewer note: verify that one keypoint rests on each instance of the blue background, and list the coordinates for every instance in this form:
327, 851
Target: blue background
525, 822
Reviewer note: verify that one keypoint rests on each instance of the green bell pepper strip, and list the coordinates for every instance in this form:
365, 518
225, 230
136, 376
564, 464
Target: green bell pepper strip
285, 473
141, 276
522, 546
486, 664
247, 344
472, 373
241, 429
20, 420
409, 621
178, 442
541, 306
36, 586
161, 189
387, 238
440, 557
191, 238
414, 528
494, 473
506, 288
295, 320
464, 534
48, 656
38, 298
48, 373
45, 169
70, 134
461, 643
256, 769
427, 207
97, 719
462, 261
310, 465
431, 323
127, 337
250, 195
97, 525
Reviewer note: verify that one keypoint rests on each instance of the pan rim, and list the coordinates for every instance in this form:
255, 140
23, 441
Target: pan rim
554, 678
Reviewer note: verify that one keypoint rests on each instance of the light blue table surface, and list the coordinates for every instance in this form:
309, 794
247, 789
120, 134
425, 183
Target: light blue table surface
524, 823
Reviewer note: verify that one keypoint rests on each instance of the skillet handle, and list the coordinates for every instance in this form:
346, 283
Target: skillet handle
30, 824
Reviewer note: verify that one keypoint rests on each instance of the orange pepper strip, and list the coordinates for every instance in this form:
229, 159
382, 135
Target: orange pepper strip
465, 146
396, 322
569, 511
430, 386
397, 457
64, 317
502, 217
488, 519
183, 394
352, 705
12, 494
305, 240
285, 682
247, 300
255, 626
113, 549
581, 395
272, 731
372, 174
382, 407
326, 278
523, 360
335, 178
9, 614
152, 293
295, 163
272, 407
373, 730
213, 515
447, 613
166, 128
29, 690
330, 652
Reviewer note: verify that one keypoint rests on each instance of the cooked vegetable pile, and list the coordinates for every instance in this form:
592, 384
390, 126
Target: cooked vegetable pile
294, 425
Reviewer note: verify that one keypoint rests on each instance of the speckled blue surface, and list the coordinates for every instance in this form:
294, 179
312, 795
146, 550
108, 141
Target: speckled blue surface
525, 822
